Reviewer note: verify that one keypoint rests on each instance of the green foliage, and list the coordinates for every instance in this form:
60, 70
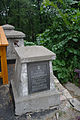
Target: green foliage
63, 37
60, 69
28, 43
25, 15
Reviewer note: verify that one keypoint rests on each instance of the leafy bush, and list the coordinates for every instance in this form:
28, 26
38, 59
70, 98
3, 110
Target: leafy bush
28, 43
63, 37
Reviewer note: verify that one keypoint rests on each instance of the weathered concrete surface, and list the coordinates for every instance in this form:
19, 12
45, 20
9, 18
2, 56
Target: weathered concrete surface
75, 92
21, 78
73, 89
11, 69
75, 103
11, 33
35, 102
6, 106
24, 101
8, 27
67, 112
15, 39
34, 53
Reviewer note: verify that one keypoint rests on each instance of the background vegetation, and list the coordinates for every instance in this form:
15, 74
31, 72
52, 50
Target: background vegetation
54, 24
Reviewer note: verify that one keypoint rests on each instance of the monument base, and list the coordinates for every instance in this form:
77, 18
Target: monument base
35, 102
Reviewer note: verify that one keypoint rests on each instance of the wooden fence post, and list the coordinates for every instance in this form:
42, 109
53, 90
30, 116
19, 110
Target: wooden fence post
3, 59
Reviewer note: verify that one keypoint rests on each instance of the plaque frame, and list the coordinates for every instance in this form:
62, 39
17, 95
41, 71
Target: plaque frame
45, 77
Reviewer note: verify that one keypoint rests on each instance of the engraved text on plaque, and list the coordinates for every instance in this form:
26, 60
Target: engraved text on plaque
38, 77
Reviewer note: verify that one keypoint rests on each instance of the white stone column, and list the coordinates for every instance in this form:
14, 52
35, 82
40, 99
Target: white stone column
24, 80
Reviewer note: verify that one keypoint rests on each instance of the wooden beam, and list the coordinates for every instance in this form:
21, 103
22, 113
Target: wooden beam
3, 39
4, 69
0, 75
3, 60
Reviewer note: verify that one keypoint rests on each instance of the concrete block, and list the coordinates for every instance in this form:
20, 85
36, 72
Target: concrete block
35, 102
34, 54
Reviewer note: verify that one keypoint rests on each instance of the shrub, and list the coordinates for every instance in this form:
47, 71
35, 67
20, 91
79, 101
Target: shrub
63, 37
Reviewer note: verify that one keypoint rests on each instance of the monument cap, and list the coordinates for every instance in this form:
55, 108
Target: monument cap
34, 53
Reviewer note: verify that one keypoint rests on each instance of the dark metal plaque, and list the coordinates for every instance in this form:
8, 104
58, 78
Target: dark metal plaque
38, 76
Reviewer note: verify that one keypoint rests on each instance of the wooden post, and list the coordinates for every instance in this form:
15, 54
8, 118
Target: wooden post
3, 45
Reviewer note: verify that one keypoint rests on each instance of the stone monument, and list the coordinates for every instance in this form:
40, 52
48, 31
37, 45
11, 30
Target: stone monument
33, 87
15, 39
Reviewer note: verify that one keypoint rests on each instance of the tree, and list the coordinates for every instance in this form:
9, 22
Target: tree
25, 15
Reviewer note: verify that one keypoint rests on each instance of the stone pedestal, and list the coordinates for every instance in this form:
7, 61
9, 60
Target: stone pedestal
15, 39
33, 86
